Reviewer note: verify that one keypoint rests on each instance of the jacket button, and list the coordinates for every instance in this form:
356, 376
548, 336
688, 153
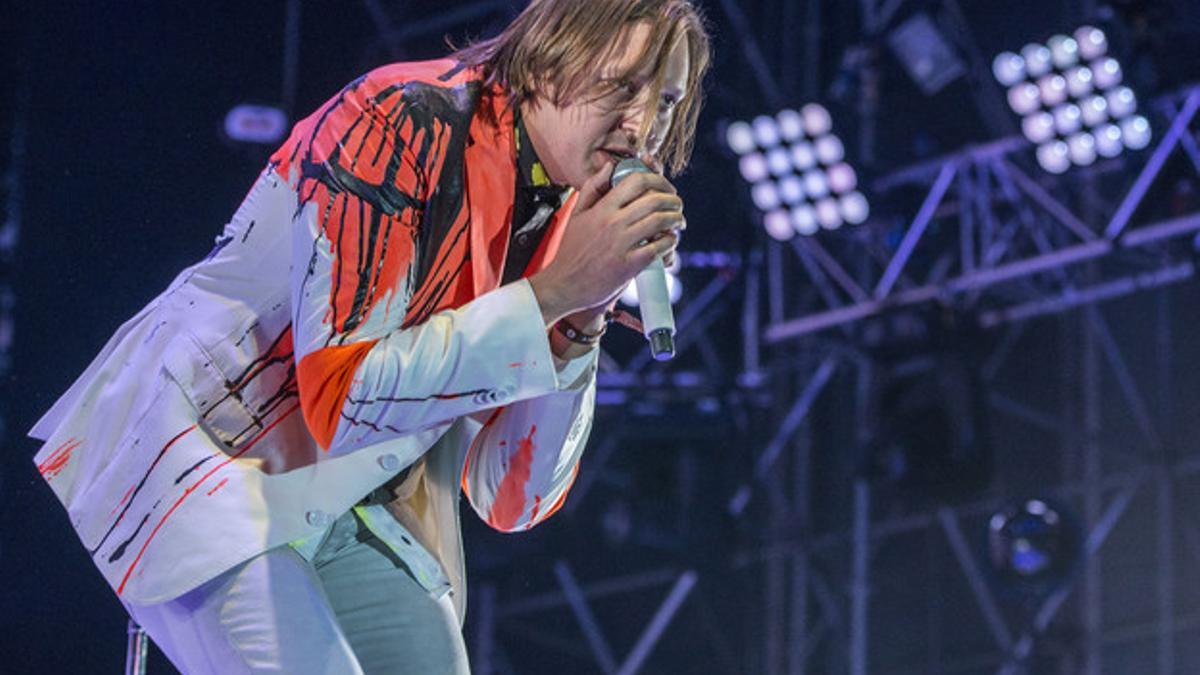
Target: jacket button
317, 518
389, 462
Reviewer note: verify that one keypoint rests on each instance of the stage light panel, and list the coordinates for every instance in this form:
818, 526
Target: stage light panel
1072, 104
797, 170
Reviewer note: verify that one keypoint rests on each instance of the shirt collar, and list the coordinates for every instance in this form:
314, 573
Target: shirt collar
531, 173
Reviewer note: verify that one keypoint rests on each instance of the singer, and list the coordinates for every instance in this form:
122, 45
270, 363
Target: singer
265, 463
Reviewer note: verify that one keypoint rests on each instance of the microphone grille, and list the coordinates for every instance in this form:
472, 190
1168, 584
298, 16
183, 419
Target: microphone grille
627, 166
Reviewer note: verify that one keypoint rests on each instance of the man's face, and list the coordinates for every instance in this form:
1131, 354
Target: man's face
576, 139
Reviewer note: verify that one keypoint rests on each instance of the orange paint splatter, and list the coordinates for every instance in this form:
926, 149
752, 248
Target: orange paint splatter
510, 497
57, 461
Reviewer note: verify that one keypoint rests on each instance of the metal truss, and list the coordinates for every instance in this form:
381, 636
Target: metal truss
1017, 247
488, 652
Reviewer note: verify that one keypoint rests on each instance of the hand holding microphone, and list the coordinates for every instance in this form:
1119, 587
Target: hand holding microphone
624, 222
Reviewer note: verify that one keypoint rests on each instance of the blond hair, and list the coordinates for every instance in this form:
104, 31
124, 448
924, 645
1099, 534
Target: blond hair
554, 50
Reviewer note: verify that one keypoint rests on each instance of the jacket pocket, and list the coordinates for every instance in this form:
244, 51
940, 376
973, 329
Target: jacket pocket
243, 380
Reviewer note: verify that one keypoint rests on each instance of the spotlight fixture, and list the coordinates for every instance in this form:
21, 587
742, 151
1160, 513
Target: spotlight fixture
797, 170
1033, 546
1071, 100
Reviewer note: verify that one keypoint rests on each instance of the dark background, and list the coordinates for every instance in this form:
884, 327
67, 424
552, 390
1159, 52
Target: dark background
125, 179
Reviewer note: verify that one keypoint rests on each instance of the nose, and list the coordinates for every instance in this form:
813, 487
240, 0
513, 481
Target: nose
634, 125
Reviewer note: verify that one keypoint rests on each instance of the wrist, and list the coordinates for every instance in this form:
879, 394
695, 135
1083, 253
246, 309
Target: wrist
551, 305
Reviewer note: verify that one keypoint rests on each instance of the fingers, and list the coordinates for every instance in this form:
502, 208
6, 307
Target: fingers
643, 255
594, 188
653, 227
646, 205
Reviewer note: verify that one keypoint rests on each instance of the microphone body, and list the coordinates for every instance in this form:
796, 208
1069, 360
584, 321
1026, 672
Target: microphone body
654, 301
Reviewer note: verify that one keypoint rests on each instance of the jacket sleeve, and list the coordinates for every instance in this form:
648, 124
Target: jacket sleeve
526, 457
370, 367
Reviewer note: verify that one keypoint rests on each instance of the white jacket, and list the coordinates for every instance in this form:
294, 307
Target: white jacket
243, 409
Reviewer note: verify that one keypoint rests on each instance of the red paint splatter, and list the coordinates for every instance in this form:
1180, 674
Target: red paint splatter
57, 461
218, 486
510, 496
123, 500
515, 365
192, 488
537, 505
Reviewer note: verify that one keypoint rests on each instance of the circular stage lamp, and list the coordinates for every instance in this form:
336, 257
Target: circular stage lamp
1108, 141
842, 178
1009, 68
1054, 156
765, 195
779, 161
1121, 102
855, 208
1037, 59
1038, 127
753, 167
791, 190
1079, 81
791, 125
740, 137
766, 131
829, 215
1024, 98
1064, 51
804, 220
1092, 42
816, 120
1082, 148
1135, 131
1106, 73
778, 225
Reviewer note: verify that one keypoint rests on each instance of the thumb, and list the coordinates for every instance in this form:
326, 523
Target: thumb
594, 187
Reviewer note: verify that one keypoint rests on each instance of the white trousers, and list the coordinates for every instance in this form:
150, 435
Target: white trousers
353, 609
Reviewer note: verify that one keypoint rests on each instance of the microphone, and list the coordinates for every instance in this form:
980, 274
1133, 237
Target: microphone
658, 321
